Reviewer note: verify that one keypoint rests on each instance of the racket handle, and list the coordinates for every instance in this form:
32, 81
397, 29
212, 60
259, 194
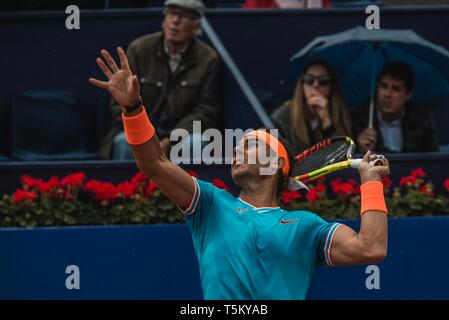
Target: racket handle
355, 164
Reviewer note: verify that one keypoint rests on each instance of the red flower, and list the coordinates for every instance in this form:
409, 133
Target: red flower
23, 195
386, 182
418, 173
220, 184
312, 195
139, 178
74, 180
106, 191
28, 182
151, 187
345, 189
193, 174
409, 180
19, 195
92, 186
335, 183
54, 182
320, 188
426, 189
127, 189
446, 184
288, 196
44, 187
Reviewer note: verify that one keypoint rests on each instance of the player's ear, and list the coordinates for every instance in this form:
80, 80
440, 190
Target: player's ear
281, 163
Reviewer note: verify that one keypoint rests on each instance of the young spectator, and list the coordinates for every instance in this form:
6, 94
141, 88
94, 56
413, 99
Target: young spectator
398, 125
316, 111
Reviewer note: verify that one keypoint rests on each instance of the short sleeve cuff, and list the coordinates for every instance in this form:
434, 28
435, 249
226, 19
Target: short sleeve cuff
195, 199
328, 244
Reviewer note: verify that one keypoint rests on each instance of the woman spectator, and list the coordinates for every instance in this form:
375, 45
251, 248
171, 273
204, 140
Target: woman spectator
317, 110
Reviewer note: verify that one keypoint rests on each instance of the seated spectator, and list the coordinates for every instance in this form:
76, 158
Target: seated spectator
316, 111
179, 78
398, 125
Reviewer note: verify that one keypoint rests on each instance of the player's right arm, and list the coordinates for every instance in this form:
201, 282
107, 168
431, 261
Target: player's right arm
124, 87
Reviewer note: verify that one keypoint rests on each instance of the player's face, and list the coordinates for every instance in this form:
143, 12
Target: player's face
392, 95
247, 162
179, 25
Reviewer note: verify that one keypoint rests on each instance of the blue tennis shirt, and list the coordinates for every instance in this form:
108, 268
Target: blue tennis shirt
246, 252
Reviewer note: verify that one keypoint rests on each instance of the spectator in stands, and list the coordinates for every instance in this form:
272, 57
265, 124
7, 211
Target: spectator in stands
399, 126
317, 110
179, 78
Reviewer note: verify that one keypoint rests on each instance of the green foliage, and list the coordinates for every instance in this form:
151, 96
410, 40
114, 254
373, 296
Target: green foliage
50, 212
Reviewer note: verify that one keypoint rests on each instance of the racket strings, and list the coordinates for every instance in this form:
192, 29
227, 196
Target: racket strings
332, 153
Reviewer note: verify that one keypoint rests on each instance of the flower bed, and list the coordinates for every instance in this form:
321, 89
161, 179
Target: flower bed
74, 200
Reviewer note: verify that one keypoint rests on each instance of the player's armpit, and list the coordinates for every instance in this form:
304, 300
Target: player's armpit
171, 179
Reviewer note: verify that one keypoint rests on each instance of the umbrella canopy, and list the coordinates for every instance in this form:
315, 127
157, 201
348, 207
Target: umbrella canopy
359, 54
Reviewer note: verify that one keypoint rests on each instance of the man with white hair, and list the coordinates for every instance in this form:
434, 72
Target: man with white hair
178, 75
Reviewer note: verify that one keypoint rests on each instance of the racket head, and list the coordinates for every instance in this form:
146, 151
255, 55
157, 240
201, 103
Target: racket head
325, 153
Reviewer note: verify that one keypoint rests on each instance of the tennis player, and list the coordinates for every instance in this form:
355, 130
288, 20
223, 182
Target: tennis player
248, 247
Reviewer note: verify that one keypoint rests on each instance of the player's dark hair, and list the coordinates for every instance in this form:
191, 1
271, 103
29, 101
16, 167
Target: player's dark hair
282, 181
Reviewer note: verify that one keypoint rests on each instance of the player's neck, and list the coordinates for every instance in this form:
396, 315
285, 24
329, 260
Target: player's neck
259, 195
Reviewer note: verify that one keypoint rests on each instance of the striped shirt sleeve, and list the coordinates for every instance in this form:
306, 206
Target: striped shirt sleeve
201, 206
328, 243
325, 236
195, 199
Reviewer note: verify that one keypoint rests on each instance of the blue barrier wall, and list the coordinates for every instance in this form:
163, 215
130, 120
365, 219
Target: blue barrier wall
158, 262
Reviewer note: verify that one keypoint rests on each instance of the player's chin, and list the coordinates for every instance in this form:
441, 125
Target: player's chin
237, 167
244, 171
240, 170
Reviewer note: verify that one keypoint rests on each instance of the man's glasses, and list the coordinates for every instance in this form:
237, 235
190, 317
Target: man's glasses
181, 14
322, 80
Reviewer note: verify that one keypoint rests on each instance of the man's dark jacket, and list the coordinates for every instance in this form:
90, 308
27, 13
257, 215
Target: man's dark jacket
190, 93
418, 129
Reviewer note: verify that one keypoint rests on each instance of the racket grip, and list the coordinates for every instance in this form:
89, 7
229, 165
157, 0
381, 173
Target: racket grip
355, 164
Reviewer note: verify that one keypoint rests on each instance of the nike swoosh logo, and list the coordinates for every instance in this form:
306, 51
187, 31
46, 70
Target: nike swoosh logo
288, 221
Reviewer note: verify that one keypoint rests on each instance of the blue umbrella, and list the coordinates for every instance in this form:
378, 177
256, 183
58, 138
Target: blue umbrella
358, 55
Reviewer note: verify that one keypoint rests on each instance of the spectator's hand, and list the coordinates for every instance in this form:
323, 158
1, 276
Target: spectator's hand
321, 106
122, 84
372, 173
165, 146
367, 139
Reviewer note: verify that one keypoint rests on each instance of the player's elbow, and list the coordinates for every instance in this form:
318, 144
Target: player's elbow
149, 169
374, 255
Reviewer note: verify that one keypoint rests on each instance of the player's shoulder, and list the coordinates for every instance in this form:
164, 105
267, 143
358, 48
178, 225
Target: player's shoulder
209, 187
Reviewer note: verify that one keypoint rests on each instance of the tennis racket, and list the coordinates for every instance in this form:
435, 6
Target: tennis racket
328, 156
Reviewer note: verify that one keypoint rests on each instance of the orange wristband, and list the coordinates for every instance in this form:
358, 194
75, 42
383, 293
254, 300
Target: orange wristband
138, 128
372, 194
